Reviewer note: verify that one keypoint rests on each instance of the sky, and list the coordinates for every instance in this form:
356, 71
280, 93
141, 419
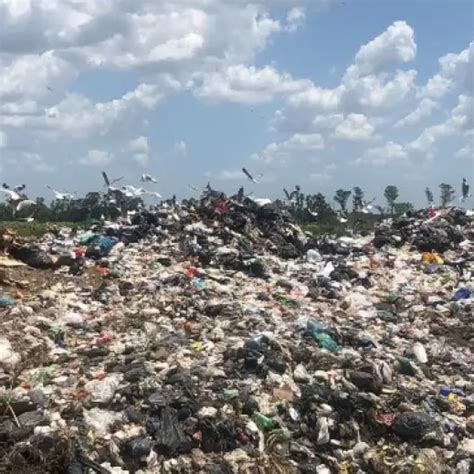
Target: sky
325, 94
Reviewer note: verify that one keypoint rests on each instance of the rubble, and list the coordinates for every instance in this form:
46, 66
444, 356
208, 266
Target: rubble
218, 337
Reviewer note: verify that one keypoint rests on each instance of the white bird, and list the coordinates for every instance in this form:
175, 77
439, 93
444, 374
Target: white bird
249, 176
152, 193
146, 178
190, 186
313, 213
25, 204
26, 219
60, 196
132, 191
368, 206
12, 195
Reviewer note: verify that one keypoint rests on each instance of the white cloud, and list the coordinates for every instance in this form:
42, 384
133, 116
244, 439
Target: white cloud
388, 153
466, 152
295, 19
3, 139
354, 127
456, 71
140, 149
395, 45
180, 148
97, 158
424, 109
32, 161
320, 176
246, 84
461, 119
296, 145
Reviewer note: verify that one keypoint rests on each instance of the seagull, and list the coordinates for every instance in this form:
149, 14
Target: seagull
313, 213
367, 206
132, 191
12, 195
249, 176
26, 219
146, 178
25, 204
18, 188
465, 190
152, 193
190, 186
109, 183
60, 196
49, 88
341, 217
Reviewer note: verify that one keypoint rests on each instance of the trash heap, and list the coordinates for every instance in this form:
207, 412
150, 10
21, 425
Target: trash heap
217, 337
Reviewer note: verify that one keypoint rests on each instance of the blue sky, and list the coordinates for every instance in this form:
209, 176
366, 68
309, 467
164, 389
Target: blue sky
325, 94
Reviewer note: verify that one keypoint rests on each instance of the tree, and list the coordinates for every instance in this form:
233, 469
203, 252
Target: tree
447, 194
402, 207
391, 195
341, 198
357, 199
320, 205
429, 196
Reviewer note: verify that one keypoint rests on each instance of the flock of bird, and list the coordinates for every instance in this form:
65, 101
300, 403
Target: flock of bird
21, 204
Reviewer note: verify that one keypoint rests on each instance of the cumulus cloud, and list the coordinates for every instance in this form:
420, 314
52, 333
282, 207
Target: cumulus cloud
140, 149
97, 158
456, 72
295, 19
32, 161
424, 109
246, 84
394, 46
382, 155
297, 144
354, 127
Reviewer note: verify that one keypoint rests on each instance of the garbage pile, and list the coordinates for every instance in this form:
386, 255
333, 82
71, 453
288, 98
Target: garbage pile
427, 230
217, 337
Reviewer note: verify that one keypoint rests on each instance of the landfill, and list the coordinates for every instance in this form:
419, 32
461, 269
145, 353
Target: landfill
216, 336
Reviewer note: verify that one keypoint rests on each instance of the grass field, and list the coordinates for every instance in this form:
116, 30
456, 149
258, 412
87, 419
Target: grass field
33, 229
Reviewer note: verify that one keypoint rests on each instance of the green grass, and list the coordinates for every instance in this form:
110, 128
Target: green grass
34, 229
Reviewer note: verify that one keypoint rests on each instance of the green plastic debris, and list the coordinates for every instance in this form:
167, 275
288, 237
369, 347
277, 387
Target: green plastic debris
87, 237
230, 394
263, 422
286, 301
326, 342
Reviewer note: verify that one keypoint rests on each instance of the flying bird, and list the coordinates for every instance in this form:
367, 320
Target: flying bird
465, 190
12, 195
152, 193
132, 191
146, 178
367, 206
109, 183
18, 188
249, 176
313, 213
25, 204
60, 196
190, 186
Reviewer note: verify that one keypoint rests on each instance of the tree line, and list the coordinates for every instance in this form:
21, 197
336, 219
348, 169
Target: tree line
306, 208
